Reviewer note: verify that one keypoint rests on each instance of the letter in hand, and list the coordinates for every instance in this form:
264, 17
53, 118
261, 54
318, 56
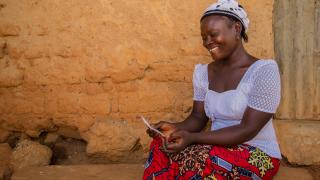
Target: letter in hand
166, 128
162, 128
151, 128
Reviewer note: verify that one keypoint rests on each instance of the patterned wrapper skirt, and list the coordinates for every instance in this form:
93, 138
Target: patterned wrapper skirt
197, 162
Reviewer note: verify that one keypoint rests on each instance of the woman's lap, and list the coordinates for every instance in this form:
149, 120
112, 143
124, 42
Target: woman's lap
210, 162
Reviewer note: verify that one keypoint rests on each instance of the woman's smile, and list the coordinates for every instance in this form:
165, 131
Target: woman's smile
214, 49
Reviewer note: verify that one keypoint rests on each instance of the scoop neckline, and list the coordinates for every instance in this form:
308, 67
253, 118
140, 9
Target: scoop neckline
238, 85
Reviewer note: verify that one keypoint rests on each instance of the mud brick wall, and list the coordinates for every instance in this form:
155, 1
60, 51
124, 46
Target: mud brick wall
65, 64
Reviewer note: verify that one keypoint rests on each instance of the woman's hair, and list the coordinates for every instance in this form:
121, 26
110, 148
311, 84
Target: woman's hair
233, 11
243, 33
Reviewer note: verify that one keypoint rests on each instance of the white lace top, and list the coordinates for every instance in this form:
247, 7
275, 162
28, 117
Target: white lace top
259, 89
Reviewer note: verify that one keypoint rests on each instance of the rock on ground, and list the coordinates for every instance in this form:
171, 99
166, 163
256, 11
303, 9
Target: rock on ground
69, 132
51, 138
113, 140
29, 153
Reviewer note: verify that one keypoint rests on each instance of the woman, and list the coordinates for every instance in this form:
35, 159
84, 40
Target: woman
239, 93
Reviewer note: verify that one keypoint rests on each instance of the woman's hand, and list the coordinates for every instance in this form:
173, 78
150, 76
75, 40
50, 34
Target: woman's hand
178, 141
165, 127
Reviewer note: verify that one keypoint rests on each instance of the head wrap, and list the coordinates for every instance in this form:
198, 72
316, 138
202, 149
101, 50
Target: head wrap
228, 8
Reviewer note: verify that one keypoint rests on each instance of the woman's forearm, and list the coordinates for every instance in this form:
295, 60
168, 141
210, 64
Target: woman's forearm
225, 137
193, 123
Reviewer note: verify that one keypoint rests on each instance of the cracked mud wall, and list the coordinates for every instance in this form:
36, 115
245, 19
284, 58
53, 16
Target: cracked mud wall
65, 64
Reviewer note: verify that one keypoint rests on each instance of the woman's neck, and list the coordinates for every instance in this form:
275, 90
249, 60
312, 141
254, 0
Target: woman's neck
239, 57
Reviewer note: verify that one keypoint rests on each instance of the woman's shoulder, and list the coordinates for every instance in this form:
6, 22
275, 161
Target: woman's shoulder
263, 64
200, 68
265, 69
200, 72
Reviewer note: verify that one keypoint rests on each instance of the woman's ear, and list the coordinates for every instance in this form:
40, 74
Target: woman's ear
238, 28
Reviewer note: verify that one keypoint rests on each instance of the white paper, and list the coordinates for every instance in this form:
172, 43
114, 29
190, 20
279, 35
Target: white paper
150, 127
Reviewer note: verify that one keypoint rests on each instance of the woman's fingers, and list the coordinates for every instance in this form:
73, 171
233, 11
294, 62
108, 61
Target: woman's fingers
175, 135
158, 125
173, 146
165, 127
150, 132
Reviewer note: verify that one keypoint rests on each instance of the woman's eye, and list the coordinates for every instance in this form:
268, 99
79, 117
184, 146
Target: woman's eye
214, 34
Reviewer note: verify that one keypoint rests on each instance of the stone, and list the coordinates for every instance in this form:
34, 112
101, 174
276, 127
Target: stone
97, 71
107, 86
130, 72
14, 51
65, 52
33, 133
13, 139
286, 173
164, 72
8, 29
127, 87
299, 141
29, 153
10, 77
94, 88
68, 103
111, 139
3, 45
149, 98
98, 104
4, 134
51, 138
24, 136
33, 53
69, 132
54, 71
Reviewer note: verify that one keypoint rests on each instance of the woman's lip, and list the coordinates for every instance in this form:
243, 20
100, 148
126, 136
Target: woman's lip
213, 49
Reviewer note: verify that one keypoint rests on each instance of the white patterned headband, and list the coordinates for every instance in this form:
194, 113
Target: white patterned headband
228, 8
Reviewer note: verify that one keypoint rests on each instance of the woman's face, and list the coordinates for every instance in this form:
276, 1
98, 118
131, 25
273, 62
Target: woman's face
219, 36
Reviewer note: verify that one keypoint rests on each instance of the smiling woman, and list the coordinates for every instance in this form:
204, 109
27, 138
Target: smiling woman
239, 93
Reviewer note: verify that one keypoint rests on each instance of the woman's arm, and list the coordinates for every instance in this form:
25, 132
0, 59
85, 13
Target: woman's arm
253, 121
263, 101
196, 121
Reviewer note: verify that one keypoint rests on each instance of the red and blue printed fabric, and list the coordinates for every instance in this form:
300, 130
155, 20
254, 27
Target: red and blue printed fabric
208, 162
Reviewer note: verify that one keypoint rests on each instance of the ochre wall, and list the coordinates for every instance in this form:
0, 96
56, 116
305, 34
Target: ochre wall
65, 63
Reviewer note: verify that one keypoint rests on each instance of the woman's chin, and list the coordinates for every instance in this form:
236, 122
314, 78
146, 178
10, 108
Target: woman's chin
215, 57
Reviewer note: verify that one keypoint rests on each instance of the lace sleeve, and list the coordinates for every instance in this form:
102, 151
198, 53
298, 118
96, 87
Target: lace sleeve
266, 90
199, 90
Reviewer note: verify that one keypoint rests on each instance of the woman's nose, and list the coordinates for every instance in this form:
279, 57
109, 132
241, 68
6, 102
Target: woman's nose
208, 41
